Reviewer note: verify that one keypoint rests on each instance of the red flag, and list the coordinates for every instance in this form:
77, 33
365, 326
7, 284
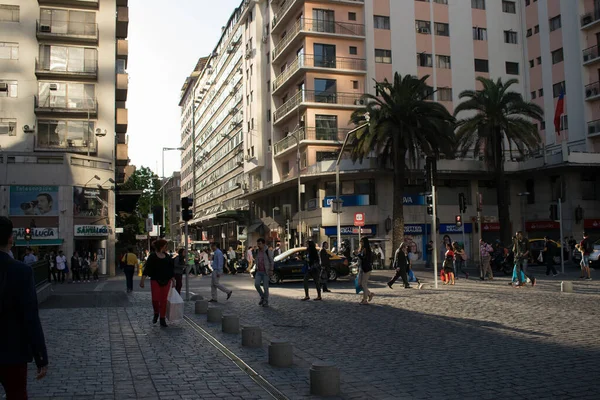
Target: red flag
560, 109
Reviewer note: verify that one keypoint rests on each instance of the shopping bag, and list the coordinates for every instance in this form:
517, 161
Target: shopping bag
174, 306
540, 257
357, 284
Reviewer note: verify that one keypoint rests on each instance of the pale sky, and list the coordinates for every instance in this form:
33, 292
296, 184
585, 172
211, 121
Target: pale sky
166, 38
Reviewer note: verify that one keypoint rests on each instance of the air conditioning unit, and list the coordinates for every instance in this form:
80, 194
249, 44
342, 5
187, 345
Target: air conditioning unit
586, 20
45, 28
423, 30
245, 186
214, 54
209, 71
248, 54
209, 83
3, 87
54, 86
586, 57
240, 163
233, 111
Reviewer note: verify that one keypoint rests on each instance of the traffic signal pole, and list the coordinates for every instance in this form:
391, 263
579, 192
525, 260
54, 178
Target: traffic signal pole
434, 235
187, 272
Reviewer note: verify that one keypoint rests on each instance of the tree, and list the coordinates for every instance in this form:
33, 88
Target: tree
403, 125
500, 118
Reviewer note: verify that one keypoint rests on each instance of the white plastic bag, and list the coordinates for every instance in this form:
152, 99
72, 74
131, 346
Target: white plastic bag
540, 257
174, 306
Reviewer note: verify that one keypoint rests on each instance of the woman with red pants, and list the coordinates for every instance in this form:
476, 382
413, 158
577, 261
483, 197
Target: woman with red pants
160, 268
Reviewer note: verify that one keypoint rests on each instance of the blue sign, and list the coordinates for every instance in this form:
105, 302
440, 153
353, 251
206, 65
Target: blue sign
351, 230
348, 200
413, 200
451, 228
416, 229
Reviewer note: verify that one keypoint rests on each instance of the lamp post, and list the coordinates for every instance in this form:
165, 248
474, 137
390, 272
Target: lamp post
275, 209
163, 177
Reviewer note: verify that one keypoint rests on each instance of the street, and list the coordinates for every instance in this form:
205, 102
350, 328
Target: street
476, 340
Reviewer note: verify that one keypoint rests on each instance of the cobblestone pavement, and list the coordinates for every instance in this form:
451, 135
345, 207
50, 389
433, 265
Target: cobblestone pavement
476, 340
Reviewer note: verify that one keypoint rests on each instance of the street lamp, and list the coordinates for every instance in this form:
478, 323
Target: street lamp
163, 177
296, 135
275, 209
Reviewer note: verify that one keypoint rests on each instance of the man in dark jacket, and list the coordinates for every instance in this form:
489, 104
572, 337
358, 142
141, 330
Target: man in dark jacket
401, 266
325, 266
21, 335
548, 256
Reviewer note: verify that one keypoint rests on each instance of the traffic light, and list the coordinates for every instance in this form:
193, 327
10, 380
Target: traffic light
429, 201
157, 212
28, 234
462, 203
186, 204
162, 233
458, 221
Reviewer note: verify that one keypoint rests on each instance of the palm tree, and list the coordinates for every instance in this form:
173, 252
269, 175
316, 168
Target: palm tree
499, 119
403, 125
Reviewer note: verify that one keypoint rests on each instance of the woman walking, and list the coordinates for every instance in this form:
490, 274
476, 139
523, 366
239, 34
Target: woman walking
460, 256
160, 268
180, 264
313, 270
366, 266
448, 265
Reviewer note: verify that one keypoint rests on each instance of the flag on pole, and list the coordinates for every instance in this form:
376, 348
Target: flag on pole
560, 109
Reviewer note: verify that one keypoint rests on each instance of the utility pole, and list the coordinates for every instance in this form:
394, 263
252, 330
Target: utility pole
431, 170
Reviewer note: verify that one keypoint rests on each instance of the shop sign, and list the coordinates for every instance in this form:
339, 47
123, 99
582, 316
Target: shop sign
541, 225
34, 200
591, 223
351, 230
141, 237
348, 200
88, 202
36, 233
452, 228
413, 200
312, 204
490, 227
415, 229
91, 230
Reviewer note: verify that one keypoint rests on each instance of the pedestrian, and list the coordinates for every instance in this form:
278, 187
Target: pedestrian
192, 261
448, 265
85, 268
586, 247
400, 264
29, 258
94, 266
160, 268
521, 251
264, 271
379, 255
129, 261
231, 258
429, 251
485, 252
460, 256
572, 246
312, 270
249, 258
76, 267
366, 266
548, 255
325, 266
51, 258
179, 269
277, 250
21, 336
61, 266
217, 266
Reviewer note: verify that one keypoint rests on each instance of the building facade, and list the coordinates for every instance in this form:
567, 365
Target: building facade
307, 63
63, 121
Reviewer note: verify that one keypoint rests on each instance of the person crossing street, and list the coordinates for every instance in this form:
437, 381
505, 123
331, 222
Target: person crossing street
217, 266
264, 271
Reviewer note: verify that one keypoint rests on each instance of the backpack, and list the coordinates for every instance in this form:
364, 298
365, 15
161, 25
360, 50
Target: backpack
588, 246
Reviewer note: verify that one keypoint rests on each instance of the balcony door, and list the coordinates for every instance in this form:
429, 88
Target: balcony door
324, 55
326, 127
323, 20
325, 91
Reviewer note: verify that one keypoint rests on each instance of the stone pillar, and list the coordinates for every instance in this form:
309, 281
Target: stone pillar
215, 314
251, 336
201, 307
324, 379
566, 287
281, 353
230, 324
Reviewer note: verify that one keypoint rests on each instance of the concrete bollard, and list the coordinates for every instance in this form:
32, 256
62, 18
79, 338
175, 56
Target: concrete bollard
196, 297
251, 336
281, 353
201, 307
230, 324
324, 379
566, 287
214, 314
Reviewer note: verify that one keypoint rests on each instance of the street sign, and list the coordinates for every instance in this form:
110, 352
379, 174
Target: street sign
149, 225
141, 237
359, 219
118, 230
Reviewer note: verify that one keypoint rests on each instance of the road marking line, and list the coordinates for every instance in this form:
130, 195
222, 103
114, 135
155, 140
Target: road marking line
100, 286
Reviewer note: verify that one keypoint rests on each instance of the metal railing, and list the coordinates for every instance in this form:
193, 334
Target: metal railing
72, 29
311, 133
592, 90
321, 26
312, 61
59, 142
288, 141
311, 96
66, 104
590, 17
278, 16
74, 67
593, 127
591, 53
40, 272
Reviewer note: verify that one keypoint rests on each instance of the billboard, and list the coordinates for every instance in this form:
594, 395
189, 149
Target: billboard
89, 202
34, 200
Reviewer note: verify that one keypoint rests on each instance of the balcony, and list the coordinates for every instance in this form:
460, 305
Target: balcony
591, 55
122, 87
310, 136
309, 61
66, 106
318, 99
321, 27
61, 143
67, 31
593, 128
88, 4
285, 11
121, 120
122, 49
592, 91
80, 69
590, 20
122, 159
122, 22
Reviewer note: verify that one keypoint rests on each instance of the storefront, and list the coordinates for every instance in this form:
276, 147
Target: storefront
539, 229
451, 233
90, 240
349, 233
490, 231
43, 241
415, 235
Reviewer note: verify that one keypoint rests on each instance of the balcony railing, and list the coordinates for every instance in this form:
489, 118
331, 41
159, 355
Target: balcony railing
278, 16
594, 127
66, 105
81, 68
92, 4
311, 96
312, 61
592, 90
589, 18
590, 54
85, 31
61, 143
289, 141
310, 134
320, 26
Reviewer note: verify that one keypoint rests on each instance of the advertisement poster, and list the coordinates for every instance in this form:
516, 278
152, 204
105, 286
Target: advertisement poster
88, 202
34, 200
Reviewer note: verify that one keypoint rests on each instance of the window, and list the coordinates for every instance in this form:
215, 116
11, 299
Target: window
481, 65
8, 126
326, 127
351, 16
541, 93
269, 115
64, 134
327, 156
423, 27
509, 7
527, 2
539, 60
557, 87
424, 60
441, 1
324, 55
72, 95
529, 32
69, 21
442, 29
9, 51
268, 57
555, 23
533, 95
9, 13
268, 86
353, 50
589, 190
557, 56
383, 56
325, 90
479, 33
8, 88
479, 4
355, 85
536, 29
510, 37
531, 63
512, 68
323, 21
285, 168
381, 22
68, 59
443, 62
444, 94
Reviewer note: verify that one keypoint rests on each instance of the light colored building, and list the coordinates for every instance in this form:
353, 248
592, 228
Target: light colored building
173, 201
63, 121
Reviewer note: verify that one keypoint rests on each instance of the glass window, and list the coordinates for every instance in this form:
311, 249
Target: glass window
67, 58
64, 134
324, 55
444, 94
329, 186
479, 4
423, 27
381, 22
442, 29
326, 127
362, 186
557, 56
323, 20
443, 62
347, 187
509, 7
424, 60
325, 90
558, 87
512, 68
9, 89
555, 23
353, 50
383, 56
351, 16
479, 33
327, 156
9, 51
510, 37
481, 65
9, 13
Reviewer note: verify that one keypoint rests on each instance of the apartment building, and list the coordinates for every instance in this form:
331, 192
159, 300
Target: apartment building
308, 62
63, 122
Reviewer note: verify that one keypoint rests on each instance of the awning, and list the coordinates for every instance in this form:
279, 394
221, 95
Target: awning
39, 242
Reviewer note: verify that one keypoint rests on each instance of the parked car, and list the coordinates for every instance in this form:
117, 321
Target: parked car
288, 265
537, 245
